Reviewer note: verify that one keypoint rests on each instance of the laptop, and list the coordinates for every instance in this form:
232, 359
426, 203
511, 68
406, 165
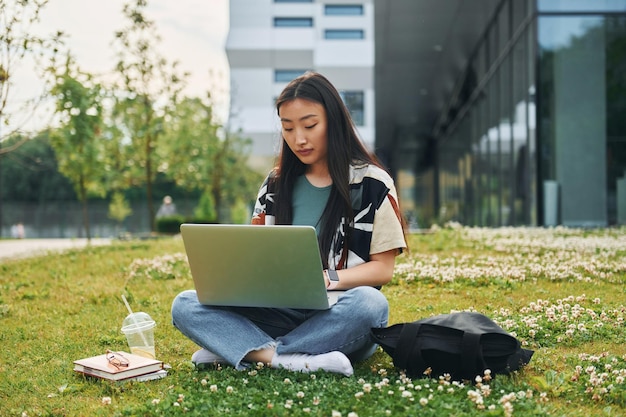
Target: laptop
257, 266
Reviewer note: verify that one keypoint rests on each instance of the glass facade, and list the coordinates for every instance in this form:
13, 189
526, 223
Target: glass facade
293, 22
344, 34
354, 101
487, 144
343, 9
286, 75
536, 133
582, 113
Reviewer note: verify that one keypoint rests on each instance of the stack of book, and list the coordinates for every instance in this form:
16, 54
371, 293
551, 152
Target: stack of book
139, 368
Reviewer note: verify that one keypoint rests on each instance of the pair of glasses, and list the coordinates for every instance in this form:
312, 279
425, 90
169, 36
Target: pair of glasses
117, 359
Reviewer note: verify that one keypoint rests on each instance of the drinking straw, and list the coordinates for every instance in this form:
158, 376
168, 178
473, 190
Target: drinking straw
134, 319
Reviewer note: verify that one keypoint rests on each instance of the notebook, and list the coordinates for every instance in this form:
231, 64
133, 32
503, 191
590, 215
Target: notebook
256, 266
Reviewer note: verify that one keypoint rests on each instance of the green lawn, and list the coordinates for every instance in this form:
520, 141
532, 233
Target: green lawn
560, 291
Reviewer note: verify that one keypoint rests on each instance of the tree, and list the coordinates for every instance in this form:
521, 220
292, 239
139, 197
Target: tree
76, 142
18, 46
150, 86
33, 172
201, 155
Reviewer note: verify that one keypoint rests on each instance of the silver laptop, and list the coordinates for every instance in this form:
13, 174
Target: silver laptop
257, 266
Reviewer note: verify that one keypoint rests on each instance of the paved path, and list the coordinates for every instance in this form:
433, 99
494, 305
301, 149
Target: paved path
23, 248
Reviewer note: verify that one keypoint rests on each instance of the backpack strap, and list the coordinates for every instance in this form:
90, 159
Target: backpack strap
471, 355
408, 353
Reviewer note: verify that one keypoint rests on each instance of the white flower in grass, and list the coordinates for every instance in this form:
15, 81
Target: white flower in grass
423, 401
213, 388
352, 414
335, 413
106, 400
229, 389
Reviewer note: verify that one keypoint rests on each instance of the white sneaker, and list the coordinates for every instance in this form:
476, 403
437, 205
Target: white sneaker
205, 357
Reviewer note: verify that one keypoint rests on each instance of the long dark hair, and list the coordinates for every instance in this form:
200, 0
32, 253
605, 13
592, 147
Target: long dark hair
344, 148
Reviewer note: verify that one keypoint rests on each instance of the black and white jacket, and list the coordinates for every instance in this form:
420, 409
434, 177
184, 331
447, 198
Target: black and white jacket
377, 225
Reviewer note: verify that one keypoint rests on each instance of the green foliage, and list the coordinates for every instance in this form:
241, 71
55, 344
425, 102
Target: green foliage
202, 156
240, 212
76, 145
30, 172
170, 224
119, 209
150, 88
78, 151
58, 308
206, 208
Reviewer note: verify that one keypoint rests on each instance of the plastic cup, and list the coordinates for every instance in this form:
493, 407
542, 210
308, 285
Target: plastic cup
139, 331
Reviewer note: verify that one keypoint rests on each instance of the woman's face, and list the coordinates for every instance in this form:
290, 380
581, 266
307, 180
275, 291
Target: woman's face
304, 128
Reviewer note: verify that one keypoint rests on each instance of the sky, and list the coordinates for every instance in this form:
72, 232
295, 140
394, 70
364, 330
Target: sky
193, 32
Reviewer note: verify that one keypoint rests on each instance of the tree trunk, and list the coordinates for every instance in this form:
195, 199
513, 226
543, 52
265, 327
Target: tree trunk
83, 199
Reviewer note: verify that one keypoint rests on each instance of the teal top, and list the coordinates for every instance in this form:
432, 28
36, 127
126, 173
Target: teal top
309, 202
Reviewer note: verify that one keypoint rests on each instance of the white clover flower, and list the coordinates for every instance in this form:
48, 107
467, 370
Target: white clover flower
106, 400
423, 401
213, 388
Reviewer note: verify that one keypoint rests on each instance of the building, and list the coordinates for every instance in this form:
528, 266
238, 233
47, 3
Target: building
271, 42
487, 112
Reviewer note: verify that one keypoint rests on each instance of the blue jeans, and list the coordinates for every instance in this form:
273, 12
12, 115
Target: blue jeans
233, 332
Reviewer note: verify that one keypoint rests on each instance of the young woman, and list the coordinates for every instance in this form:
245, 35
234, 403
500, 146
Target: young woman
324, 178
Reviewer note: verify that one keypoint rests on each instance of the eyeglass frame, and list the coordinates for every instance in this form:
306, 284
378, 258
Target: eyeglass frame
116, 359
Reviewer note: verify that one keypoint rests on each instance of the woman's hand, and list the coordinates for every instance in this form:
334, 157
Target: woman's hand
376, 272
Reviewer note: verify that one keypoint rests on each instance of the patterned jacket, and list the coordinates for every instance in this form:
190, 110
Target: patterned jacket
372, 190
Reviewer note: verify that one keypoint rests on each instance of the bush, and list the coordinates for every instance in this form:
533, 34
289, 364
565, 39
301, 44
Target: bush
169, 225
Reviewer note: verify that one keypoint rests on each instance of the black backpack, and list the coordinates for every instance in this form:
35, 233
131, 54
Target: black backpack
461, 344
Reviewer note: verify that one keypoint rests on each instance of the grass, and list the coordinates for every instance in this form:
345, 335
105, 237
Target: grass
560, 291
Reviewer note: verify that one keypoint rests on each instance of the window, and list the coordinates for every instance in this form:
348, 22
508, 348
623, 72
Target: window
354, 102
284, 76
344, 34
343, 10
582, 5
293, 22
